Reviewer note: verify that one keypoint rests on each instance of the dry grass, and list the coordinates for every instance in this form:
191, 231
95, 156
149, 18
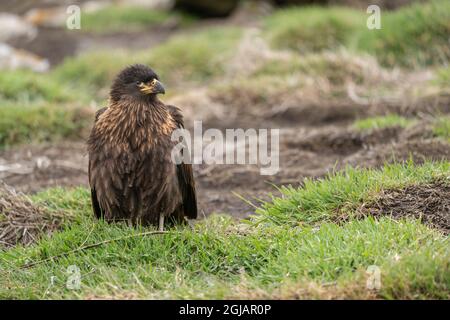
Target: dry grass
21, 221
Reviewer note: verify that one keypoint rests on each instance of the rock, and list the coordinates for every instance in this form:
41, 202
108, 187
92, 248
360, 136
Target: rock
208, 8
362, 4
47, 17
12, 59
150, 4
13, 26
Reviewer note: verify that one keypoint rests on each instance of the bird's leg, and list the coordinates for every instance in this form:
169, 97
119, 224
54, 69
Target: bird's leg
161, 222
189, 223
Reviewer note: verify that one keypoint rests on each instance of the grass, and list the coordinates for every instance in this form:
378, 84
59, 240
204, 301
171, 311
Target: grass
119, 19
194, 58
317, 201
381, 122
222, 258
182, 59
441, 128
92, 71
22, 123
308, 29
26, 86
443, 77
413, 36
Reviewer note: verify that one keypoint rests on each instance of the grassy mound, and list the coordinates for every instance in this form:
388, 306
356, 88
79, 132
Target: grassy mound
26, 86
441, 128
197, 57
381, 122
182, 59
115, 19
21, 124
443, 77
412, 36
291, 246
309, 29
329, 199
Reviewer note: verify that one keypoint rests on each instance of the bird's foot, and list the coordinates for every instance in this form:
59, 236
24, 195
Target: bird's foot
161, 222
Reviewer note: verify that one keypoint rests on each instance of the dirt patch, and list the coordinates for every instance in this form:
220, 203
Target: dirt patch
340, 140
417, 150
21, 221
429, 202
429, 105
315, 113
34, 168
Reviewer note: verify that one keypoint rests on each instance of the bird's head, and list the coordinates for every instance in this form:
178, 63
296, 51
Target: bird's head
137, 82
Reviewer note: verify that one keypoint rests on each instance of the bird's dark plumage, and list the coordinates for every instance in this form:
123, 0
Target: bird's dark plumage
131, 173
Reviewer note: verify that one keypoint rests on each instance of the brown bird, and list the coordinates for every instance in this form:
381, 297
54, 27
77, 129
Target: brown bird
131, 172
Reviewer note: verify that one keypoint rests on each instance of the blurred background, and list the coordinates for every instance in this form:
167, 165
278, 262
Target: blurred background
341, 93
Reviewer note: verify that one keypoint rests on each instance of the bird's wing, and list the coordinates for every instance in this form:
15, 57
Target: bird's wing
95, 204
185, 175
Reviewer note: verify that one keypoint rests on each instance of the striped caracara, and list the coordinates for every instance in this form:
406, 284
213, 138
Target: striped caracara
131, 173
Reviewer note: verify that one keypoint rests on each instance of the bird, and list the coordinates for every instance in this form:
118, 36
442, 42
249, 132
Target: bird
131, 173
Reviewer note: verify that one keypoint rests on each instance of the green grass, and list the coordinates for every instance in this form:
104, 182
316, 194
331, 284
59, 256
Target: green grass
441, 128
182, 59
92, 71
30, 123
26, 86
412, 36
381, 122
326, 199
198, 57
308, 29
222, 258
443, 77
119, 19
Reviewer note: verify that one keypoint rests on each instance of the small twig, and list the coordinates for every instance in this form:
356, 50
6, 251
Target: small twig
90, 246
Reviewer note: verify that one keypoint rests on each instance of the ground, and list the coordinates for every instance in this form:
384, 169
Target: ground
364, 161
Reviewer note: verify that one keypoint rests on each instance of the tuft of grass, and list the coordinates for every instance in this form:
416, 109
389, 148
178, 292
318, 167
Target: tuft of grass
412, 36
21, 124
441, 128
322, 200
443, 77
119, 18
91, 71
308, 29
222, 258
188, 58
388, 121
26, 86
197, 57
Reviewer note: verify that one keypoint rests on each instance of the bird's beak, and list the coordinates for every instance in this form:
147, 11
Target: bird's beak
152, 87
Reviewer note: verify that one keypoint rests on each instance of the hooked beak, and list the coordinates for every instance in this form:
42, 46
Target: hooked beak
152, 87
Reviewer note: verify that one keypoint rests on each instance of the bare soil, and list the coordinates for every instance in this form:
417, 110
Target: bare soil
430, 203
